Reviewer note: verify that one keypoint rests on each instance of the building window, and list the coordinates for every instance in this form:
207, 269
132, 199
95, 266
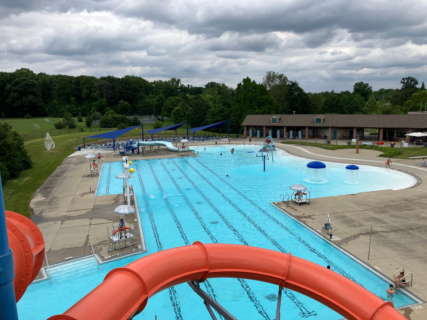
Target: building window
318, 120
401, 134
274, 120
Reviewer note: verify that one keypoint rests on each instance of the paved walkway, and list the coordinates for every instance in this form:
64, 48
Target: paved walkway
398, 219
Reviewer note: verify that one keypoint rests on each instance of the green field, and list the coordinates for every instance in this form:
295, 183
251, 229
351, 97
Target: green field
28, 126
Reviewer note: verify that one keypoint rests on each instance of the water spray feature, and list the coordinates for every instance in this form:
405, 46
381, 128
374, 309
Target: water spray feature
267, 147
316, 172
352, 174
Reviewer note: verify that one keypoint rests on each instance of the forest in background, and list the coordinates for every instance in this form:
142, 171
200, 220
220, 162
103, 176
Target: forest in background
111, 99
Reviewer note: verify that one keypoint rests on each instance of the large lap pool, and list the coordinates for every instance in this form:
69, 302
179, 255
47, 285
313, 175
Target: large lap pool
183, 200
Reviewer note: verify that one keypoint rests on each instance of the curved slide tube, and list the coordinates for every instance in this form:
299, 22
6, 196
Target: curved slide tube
27, 244
166, 144
147, 276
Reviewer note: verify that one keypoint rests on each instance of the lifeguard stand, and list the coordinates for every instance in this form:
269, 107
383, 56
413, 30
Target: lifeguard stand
128, 238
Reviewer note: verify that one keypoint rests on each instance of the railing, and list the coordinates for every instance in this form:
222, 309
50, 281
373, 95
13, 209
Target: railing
283, 196
48, 268
412, 278
401, 269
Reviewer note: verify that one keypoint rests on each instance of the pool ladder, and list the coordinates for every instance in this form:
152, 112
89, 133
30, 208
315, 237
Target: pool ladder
283, 196
410, 273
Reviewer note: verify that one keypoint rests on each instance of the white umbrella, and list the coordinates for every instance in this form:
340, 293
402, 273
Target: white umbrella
184, 140
124, 209
298, 187
90, 156
417, 134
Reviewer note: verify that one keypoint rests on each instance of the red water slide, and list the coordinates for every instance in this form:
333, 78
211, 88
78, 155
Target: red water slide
147, 276
27, 244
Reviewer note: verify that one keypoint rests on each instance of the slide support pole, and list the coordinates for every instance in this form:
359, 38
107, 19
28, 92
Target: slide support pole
210, 301
8, 310
279, 302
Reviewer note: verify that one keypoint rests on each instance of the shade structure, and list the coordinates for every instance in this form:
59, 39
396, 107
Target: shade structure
173, 127
213, 125
112, 135
298, 187
316, 165
89, 156
124, 209
416, 134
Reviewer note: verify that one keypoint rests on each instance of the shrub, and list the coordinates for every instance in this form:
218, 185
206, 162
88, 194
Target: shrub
96, 116
72, 124
112, 121
60, 125
135, 121
122, 126
81, 129
4, 173
88, 121
157, 125
80, 118
13, 155
28, 116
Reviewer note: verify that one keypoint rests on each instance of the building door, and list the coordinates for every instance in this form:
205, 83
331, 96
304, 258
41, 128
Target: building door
350, 134
334, 135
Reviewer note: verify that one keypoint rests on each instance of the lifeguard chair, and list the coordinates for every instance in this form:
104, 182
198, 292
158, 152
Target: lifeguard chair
123, 239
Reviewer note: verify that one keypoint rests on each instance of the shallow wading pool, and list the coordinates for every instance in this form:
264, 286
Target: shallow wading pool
226, 198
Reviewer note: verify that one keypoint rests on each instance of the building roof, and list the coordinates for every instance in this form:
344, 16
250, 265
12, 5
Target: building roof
404, 121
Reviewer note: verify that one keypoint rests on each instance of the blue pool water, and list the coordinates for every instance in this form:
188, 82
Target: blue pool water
183, 200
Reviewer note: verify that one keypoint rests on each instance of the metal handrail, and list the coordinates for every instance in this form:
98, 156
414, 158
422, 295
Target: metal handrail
412, 277
93, 251
398, 271
283, 196
48, 268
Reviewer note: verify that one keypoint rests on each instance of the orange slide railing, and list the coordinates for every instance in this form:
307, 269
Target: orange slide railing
147, 276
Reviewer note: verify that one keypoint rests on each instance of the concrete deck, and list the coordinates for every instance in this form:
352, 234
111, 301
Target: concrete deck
398, 219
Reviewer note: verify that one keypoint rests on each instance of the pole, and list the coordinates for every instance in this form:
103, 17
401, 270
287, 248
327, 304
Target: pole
8, 309
228, 129
187, 130
176, 138
357, 145
84, 143
370, 237
142, 132
127, 188
114, 145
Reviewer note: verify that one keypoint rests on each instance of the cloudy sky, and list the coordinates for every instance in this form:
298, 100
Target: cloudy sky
323, 45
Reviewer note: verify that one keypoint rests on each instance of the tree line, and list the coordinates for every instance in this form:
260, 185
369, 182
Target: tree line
111, 99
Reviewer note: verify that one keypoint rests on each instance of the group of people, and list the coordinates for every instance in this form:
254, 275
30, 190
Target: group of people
399, 282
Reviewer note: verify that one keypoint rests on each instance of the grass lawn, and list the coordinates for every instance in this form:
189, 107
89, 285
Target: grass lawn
399, 153
17, 192
28, 126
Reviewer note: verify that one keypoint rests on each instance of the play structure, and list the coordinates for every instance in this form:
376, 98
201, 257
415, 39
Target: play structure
268, 149
193, 264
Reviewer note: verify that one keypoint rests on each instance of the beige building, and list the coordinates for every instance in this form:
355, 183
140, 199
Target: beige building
391, 127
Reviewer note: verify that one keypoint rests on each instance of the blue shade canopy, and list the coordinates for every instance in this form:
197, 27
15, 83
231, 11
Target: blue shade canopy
352, 167
113, 134
316, 165
214, 125
173, 127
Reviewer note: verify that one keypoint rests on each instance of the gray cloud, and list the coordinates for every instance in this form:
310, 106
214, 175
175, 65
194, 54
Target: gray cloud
323, 45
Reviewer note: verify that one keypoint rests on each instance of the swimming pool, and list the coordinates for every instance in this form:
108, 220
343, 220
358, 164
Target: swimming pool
183, 200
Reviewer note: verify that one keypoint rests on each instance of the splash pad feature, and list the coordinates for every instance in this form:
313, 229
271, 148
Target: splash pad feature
352, 174
316, 172
267, 147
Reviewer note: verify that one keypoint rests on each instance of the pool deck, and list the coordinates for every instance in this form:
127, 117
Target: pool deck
69, 215
398, 219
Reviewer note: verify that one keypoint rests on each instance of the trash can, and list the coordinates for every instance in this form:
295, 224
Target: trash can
237, 135
79, 148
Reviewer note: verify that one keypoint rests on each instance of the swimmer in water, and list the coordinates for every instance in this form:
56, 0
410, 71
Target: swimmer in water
227, 176
204, 149
221, 154
232, 151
